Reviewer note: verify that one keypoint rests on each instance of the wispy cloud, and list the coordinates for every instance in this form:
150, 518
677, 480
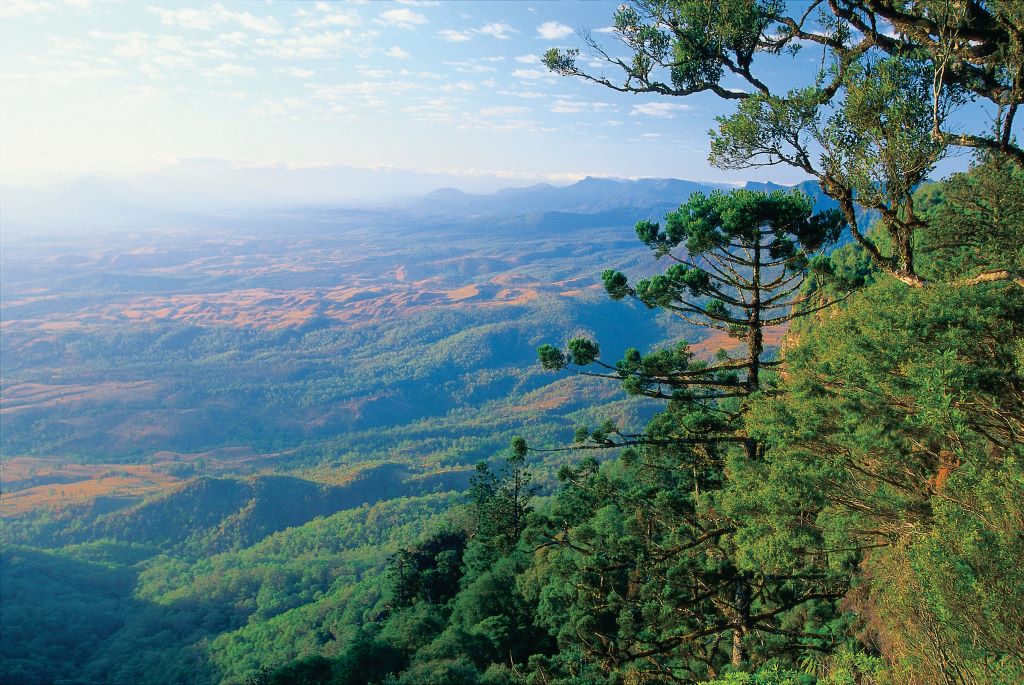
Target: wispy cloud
459, 87
307, 45
570, 106
329, 16
402, 17
503, 111
553, 30
397, 53
528, 59
499, 30
206, 19
470, 67
10, 9
662, 110
532, 74
453, 36
530, 94
297, 73
227, 70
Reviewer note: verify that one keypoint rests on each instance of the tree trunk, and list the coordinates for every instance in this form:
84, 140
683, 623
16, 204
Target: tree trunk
742, 627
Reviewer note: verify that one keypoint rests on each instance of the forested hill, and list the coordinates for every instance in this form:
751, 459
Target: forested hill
850, 513
281, 485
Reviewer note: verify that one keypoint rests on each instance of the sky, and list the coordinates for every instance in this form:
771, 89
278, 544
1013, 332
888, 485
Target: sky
118, 88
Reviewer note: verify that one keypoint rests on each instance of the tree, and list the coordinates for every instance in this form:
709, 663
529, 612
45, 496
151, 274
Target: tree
902, 422
642, 571
499, 508
975, 221
429, 572
740, 261
874, 120
902, 425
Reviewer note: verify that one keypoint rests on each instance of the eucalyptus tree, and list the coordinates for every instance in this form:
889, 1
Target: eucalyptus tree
899, 84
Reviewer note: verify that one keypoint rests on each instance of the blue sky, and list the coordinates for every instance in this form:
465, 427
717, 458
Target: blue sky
456, 87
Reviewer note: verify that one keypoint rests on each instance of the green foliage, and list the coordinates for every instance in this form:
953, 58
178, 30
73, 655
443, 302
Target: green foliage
641, 574
869, 125
849, 513
976, 221
901, 430
429, 572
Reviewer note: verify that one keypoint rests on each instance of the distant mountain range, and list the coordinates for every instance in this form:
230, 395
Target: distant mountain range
589, 196
100, 202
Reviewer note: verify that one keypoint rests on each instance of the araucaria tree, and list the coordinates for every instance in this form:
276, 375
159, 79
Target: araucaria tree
873, 121
644, 573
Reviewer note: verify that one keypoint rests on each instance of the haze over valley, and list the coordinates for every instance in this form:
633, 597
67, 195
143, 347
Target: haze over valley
420, 342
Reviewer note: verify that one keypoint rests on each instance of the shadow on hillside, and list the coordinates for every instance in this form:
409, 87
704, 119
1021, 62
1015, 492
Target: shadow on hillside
64, 620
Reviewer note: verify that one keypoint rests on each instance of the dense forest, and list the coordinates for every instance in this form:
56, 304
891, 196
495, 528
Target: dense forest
850, 514
843, 507
847, 510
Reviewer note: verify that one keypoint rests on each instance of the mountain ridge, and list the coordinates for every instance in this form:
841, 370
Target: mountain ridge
100, 202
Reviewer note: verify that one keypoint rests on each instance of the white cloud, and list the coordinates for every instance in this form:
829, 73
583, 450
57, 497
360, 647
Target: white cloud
514, 124
453, 36
24, 8
662, 110
502, 111
200, 20
470, 67
227, 70
402, 17
205, 19
258, 24
498, 30
306, 45
570, 106
532, 74
552, 30
397, 53
233, 39
523, 93
341, 92
528, 59
339, 19
605, 29
148, 51
459, 86
433, 109
327, 14
297, 73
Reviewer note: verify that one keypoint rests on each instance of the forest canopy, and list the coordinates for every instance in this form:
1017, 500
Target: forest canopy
845, 509
826, 486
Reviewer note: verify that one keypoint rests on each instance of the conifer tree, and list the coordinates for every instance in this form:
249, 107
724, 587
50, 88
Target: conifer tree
648, 576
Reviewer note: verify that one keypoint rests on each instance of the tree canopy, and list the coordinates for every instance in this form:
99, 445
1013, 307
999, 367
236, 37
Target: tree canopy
873, 121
